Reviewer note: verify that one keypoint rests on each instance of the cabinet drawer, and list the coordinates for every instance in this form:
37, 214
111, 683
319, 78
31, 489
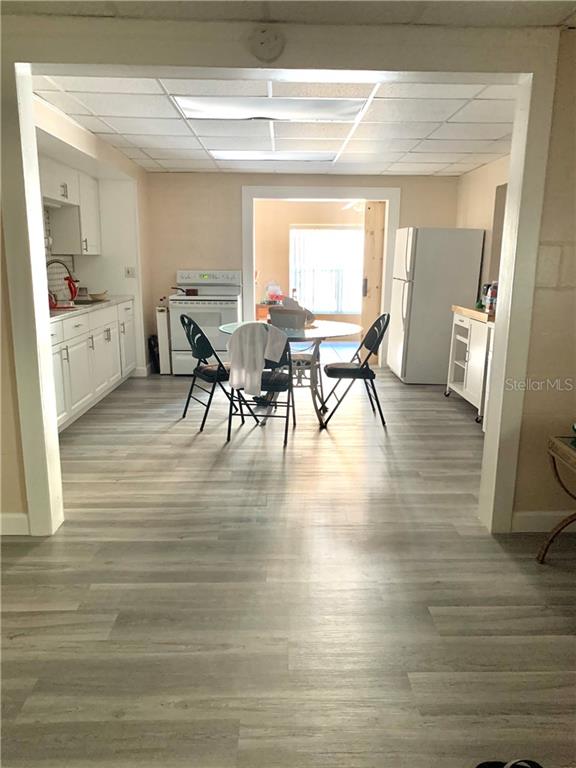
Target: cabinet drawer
56, 332
462, 321
125, 310
74, 326
100, 317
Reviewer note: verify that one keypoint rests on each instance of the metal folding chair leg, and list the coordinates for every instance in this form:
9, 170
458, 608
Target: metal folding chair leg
367, 387
189, 396
377, 399
207, 406
339, 399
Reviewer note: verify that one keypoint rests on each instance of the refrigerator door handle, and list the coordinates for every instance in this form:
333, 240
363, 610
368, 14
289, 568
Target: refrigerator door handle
404, 285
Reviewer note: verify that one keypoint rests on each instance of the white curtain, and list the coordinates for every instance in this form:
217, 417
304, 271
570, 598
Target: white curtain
326, 266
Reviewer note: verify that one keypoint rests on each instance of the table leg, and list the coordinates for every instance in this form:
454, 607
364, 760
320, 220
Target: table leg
563, 523
316, 385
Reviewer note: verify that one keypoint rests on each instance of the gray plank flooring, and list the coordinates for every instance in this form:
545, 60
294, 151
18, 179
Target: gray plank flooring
332, 605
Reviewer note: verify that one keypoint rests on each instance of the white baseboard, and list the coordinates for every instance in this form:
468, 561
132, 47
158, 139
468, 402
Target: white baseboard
142, 371
539, 521
14, 524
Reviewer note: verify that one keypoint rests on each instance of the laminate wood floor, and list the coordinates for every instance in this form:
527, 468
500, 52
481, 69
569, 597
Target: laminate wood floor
332, 605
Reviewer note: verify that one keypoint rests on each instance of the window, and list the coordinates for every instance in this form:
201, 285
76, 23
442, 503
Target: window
326, 266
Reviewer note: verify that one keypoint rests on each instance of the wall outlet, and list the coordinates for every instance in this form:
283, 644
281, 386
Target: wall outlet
129, 271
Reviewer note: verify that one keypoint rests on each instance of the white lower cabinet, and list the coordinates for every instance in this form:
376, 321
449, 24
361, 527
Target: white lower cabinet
468, 360
127, 337
59, 361
79, 373
92, 362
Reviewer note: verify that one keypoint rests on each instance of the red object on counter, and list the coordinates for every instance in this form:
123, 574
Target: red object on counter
72, 287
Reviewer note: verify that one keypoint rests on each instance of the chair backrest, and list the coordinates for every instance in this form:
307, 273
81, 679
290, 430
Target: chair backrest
283, 317
200, 344
374, 336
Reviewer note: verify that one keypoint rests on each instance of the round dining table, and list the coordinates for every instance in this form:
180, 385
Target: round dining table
315, 334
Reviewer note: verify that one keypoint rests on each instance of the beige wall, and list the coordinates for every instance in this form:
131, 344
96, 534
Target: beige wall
476, 195
553, 336
13, 491
272, 222
195, 219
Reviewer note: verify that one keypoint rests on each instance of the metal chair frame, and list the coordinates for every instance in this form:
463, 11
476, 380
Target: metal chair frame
371, 343
202, 350
271, 401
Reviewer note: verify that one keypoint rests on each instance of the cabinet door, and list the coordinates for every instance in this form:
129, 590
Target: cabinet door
89, 215
113, 355
59, 182
128, 344
476, 361
98, 342
80, 383
60, 382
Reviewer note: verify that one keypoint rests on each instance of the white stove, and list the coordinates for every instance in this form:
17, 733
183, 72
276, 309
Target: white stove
218, 301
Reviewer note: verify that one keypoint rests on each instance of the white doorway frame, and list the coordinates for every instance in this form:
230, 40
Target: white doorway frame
389, 195
529, 56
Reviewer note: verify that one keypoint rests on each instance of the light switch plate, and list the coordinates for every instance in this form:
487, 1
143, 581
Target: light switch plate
129, 271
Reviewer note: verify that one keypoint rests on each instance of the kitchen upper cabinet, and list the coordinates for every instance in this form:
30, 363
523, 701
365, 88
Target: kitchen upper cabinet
127, 337
75, 229
89, 215
80, 372
59, 182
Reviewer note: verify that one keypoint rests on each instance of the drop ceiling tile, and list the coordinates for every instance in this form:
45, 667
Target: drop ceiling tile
241, 166
434, 145
93, 124
434, 157
180, 87
417, 168
302, 167
359, 169
128, 105
367, 158
187, 164
428, 90
486, 111
476, 131
374, 147
242, 142
142, 125
303, 145
230, 127
395, 130
131, 85
412, 110
179, 154
133, 153
150, 141
115, 139
41, 83
150, 165
499, 92
323, 90
64, 101
312, 130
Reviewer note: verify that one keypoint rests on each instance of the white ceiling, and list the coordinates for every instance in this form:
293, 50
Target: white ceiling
377, 127
472, 13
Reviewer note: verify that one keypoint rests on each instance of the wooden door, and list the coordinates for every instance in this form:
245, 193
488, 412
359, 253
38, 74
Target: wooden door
374, 235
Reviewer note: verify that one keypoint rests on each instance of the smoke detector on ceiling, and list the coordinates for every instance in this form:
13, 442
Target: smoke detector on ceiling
266, 43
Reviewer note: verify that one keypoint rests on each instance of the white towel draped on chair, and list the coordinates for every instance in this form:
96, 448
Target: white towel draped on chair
251, 344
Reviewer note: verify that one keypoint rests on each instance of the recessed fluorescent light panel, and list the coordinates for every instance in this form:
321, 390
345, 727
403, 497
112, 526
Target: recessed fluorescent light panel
262, 108
234, 154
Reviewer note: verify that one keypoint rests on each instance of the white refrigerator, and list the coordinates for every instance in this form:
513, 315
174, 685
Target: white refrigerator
433, 269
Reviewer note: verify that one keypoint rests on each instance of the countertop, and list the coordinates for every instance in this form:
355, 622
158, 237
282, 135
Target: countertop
112, 301
473, 314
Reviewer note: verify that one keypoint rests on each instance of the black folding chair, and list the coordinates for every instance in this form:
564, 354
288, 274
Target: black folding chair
358, 369
276, 379
213, 374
